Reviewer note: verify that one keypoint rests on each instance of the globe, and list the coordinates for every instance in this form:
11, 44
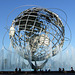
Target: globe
37, 33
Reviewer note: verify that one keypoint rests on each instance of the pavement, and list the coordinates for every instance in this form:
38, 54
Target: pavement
37, 73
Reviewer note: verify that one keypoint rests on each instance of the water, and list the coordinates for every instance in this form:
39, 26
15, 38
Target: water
64, 59
9, 61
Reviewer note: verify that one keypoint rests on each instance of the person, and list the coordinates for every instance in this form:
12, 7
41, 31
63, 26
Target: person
19, 69
63, 69
45, 70
40, 70
16, 69
72, 69
49, 70
59, 69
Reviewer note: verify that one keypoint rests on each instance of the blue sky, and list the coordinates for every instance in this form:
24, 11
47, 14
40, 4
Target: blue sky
6, 6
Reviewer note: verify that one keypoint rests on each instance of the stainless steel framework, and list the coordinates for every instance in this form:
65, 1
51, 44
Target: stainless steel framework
37, 30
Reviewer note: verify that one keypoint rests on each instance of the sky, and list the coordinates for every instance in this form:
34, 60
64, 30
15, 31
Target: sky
6, 6
68, 6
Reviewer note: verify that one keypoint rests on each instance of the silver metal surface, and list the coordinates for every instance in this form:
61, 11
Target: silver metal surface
37, 30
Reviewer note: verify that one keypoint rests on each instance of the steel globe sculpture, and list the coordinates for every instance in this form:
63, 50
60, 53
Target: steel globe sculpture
36, 33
